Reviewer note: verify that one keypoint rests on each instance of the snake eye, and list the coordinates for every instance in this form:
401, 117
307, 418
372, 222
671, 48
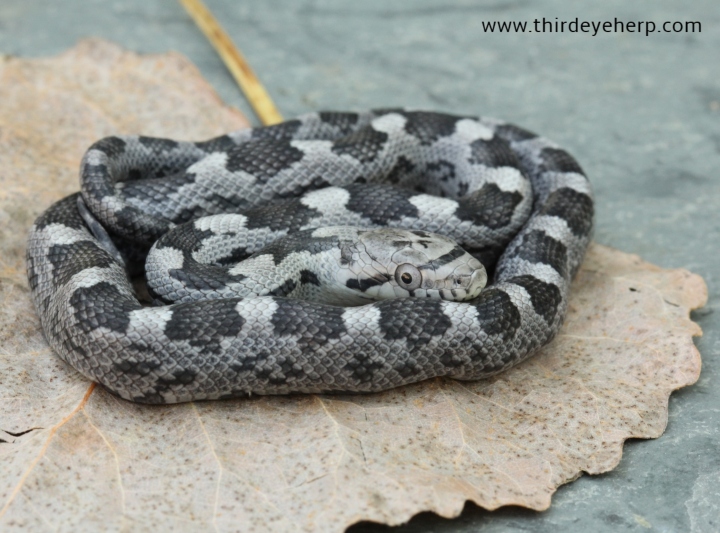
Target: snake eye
408, 277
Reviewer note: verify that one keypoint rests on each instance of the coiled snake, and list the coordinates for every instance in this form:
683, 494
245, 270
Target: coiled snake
513, 200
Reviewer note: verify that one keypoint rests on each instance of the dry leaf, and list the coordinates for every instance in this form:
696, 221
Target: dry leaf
73, 455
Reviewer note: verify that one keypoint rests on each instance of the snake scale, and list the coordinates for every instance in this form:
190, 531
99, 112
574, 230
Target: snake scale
512, 200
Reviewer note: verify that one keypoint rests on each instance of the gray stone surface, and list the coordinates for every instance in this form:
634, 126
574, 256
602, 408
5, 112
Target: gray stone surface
641, 113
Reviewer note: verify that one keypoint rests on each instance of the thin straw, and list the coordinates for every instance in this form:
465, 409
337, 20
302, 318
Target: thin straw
250, 85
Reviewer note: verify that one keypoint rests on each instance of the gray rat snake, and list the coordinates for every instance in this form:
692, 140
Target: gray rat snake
514, 201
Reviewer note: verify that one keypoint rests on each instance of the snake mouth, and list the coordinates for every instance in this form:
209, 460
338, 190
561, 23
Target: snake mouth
466, 283
478, 281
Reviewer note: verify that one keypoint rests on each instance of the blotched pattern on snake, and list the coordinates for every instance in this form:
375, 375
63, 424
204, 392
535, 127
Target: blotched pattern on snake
514, 201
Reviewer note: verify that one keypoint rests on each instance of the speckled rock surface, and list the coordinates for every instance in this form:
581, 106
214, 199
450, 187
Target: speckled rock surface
642, 114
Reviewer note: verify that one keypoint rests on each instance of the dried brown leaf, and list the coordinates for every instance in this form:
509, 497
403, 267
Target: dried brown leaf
74, 457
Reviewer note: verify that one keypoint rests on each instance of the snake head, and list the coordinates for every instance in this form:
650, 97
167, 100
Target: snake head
395, 263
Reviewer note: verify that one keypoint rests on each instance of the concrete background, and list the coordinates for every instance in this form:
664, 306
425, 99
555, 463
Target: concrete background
641, 114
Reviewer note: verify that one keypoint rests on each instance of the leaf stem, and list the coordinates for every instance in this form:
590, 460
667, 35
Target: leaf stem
236, 63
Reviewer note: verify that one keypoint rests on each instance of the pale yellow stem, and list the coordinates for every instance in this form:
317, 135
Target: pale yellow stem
254, 91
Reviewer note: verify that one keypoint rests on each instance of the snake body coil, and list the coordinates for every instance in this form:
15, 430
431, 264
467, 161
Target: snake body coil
514, 200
